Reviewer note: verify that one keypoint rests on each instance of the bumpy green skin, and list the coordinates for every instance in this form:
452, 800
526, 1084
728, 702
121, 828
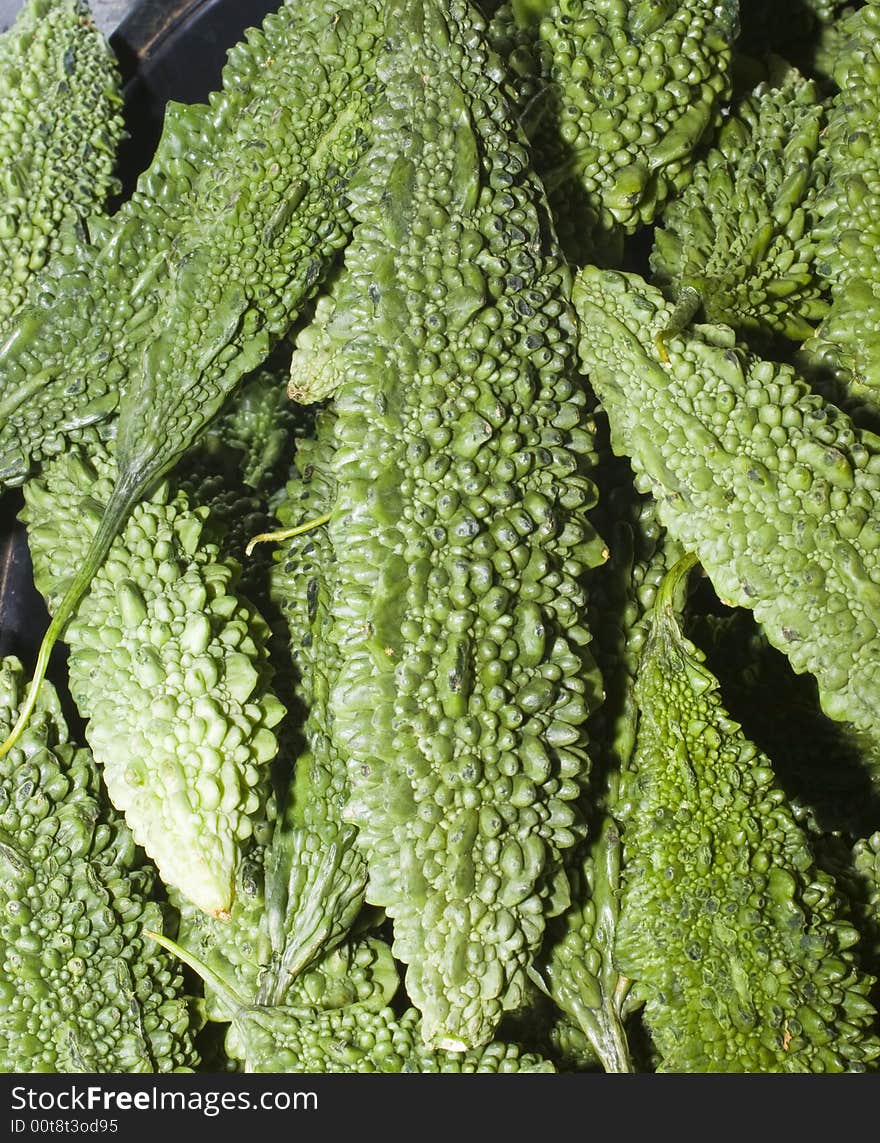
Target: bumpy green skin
570, 1048
236, 470
317, 358
513, 35
206, 266
358, 1039
866, 865
622, 593
61, 97
240, 951
81, 988
169, 665
236, 948
316, 876
576, 964
258, 424
359, 976
735, 937
631, 90
775, 490
848, 233
741, 233
460, 533
758, 683
357, 972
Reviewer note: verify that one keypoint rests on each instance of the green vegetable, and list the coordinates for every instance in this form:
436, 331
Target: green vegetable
354, 1036
236, 948
629, 93
261, 212
866, 865
507, 822
461, 675
245, 448
81, 988
357, 1039
840, 794
61, 97
740, 237
737, 940
576, 966
316, 875
317, 359
169, 666
775, 490
847, 233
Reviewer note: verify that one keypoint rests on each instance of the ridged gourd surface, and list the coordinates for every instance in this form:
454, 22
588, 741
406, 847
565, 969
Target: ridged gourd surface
82, 989
168, 665
60, 125
357, 1039
460, 532
848, 233
741, 234
774, 489
739, 942
228, 230
628, 91
317, 874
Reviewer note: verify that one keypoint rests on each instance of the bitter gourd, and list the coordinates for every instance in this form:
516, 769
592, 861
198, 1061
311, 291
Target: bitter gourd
738, 246
357, 1039
774, 489
169, 666
866, 869
733, 934
460, 532
61, 95
630, 91
82, 989
843, 796
576, 966
261, 212
354, 1036
847, 232
316, 875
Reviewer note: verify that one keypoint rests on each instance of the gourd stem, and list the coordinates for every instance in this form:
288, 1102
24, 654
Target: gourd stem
208, 975
287, 533
671, 583
124, 496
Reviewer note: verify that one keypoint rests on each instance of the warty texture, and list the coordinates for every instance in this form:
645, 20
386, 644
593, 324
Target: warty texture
316, 875
630, 90
260, 216
740, 235
60, 125
775, 490
848, 232
736, 938
170, 667
356, 1038
164, 306
460, 532
81, 988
